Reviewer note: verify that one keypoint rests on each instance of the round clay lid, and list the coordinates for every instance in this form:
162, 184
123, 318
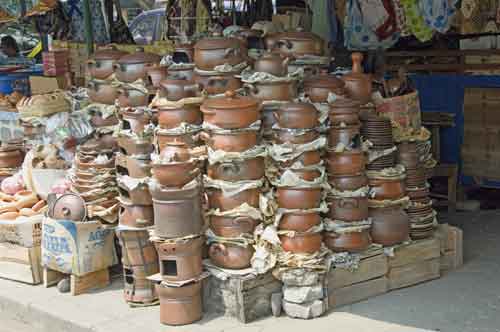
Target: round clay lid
217, 43
69, 207
109, 53
324, 80
298, 107
230, 101
140, 57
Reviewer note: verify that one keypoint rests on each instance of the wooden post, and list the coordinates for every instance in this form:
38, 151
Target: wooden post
89, 36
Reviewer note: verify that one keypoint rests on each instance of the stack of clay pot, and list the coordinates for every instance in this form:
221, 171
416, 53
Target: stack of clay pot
176, 190
422, 215
348, 226
235, 177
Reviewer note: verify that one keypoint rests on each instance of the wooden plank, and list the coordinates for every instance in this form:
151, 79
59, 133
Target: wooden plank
369, 268
414, 252
20, 263
52, 277
456, 244
412, 274
93, 280
357, 292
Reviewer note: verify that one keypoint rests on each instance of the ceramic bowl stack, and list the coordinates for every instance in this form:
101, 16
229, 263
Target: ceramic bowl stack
422, 215
378, 131
235, 178
348, 225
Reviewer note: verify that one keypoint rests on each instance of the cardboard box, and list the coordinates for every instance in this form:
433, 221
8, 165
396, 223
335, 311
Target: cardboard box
404, 110
20, 264
25, 232
77, 248
42, 84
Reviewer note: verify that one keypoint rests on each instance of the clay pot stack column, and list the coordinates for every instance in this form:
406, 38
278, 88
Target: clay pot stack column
235, 177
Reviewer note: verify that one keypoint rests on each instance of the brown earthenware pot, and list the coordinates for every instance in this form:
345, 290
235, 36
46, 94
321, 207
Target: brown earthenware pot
156, 74
11, 158
175, 174
137, 216
346, 162
298, 198
299, 221
217, 199
101, 65
348, 182
132, 97
237, 170
301, 243
180, 305
358, 84
303, 173
307, 158
344, 111
294, 43
230, 256
350, 242
390, 189
341, 134
297, 116
348, 208
390, 225
102, 92
212, 52
274, 90
169, 118
189, 138
231, 141
318, 87
132, 67
272, 63
231, 227
174, 88
300, 136
218, 83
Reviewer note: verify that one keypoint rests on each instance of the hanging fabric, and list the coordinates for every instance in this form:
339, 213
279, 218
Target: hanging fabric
476, 14
100, 32
118, 28
357, 32
416, 21
401, 18
438, 14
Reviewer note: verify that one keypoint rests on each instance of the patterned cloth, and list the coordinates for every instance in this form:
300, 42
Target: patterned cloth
416, 21
100, 31
438, 14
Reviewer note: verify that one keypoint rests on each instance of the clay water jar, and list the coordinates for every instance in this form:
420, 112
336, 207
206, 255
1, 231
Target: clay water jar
180, 260
297, 116
217, 199
231, 141
344, 135
348, 182
301, 243
180, 305
344, 111
215, 51
387, 189
298, 197
231, 111
272, 63
172, 117
238, 170
132, 67
177, 88
132, 98
230, 256
101, 65
299, 221
138, 216
102, 92
295, 136
231, 227
350, 242
390, 225
350, 162
215, 84
318, 87
268, 91
294, 43
348, 208
357, 84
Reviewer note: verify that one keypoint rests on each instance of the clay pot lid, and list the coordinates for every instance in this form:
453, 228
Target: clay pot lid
140, 56
324, 80
296, 107
217, 43
69, 207
295, 35
357, 70
345, 102
231, 101
109, 53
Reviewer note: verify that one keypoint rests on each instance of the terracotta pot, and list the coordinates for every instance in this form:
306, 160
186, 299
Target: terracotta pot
130, 146
268, 119
390, 225
344, 111
174, 88
231, 111
297, 116
138, 168
180, 305
307, 158
135, 66
169, 118
218, 83
177, 211
298, 198
135, 120
302, 243
348, 208
180, 260
272, 63
310, 70
318, 87
238, 170
85, 163
300, 136
264, 91
189, 138
294, 43
358, 84
140, 195
231, 227
175, 174
11, 158
98, 120
390, 189
303, 173
231, 141
345, 135
350, 242
299, 221
348, 182
345, 163
217, 199
101, 65
68, 207
102, 92
156, 74
183, 52
230, 256
175, 152
408, 155
212, 52
132, 98
182, 72
137, 216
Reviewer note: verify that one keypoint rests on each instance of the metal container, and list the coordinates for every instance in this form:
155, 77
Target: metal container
180, 260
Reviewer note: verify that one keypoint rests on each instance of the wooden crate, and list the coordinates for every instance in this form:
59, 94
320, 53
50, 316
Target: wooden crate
245, 298
357, 292
451, 239
415, 252
20, 263
78, 284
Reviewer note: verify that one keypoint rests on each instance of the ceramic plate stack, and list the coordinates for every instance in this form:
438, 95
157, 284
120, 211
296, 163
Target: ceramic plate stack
422, 215
378, 131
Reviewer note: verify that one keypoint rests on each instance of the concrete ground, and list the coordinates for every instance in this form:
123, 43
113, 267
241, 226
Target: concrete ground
465, 300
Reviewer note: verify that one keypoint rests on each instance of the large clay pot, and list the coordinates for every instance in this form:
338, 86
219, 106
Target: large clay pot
390, 225
350, 242
318, 87
180, 305
172, 117
297, 116
174, 88
188, 138
348, 208
294, 43
101, 65
102, 92
212, 52
346, 162
343, 134
231, 227
217, 199
219, 83
230, 256
348, 182
301, 243
231, 141
299, 221
272, 63
132, 67
237, 170
175, 174
358, 84
298, 197
387, 189
274, 90
344, 111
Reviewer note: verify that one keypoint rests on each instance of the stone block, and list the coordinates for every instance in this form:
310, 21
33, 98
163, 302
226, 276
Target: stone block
302, 294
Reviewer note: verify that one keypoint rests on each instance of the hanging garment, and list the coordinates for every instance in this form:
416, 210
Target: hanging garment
321, 19
416, 20
476, 14
401, 19
357, 34
377, 13
390, 26
100, 32
118, 28
438, 14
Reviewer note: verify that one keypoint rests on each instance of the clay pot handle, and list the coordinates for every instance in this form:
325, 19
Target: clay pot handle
344, 202
66, 212
116, 66
229, 51
217, 247
357, 59
122, 92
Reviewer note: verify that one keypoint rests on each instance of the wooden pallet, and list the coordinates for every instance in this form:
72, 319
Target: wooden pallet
20, 263
78, 284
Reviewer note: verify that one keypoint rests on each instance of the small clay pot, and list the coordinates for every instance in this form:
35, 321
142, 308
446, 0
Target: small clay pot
175, 174
300, 136
348, 182
357, 84
299, 221
350, 242
230, 256
298, 198
344, 111
345, 135
390, 225
231, 227
272, 63
218, 83
387, 189
174, 88
217, 199
270, 91
231, 141
11, 158
237, 170
297, 116
318, 87
348, 209
346, 162
301, 243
